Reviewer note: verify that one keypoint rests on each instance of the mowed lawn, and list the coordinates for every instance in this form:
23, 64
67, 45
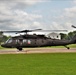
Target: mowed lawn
71, 46
38, 64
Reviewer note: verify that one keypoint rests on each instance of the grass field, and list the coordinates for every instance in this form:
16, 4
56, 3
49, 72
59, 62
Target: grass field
71, 46
38, 64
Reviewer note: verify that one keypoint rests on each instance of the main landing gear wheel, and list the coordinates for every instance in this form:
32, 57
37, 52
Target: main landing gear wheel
20, 49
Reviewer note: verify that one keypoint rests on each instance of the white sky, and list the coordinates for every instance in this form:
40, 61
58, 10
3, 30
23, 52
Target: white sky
35, 14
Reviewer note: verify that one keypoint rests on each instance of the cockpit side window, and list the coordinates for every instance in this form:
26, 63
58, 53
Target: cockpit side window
9, 41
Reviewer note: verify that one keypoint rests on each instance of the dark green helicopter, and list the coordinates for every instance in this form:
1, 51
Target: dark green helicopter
27, 40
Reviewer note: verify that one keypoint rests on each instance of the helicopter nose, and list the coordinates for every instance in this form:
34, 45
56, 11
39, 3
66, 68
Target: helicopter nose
3, 45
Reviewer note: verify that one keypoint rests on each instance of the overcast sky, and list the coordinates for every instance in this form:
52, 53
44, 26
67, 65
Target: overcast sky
35, 14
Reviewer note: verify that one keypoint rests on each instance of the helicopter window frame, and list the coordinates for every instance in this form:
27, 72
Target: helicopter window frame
9, 41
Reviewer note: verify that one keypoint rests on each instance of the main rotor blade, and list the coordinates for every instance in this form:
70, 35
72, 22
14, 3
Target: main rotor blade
26, 31
53, 31
30, 30
36, 30
9, 31
23, 31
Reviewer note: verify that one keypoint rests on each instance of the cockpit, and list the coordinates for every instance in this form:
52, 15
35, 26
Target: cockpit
7, 43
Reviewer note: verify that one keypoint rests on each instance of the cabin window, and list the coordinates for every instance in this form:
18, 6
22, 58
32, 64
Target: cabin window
24, 40
29, 42
16, 41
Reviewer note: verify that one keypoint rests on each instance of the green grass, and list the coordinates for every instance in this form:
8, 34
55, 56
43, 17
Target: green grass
71, 46
38, 64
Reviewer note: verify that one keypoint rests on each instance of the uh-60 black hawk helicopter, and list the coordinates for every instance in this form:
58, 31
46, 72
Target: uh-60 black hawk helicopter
27, 40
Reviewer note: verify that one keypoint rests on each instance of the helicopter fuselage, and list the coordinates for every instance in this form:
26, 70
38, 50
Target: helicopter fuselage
20, 42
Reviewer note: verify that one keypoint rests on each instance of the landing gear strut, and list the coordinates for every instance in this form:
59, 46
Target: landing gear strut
19, 48
67, 47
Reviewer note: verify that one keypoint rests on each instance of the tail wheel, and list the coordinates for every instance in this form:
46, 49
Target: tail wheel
19, 48
66, 47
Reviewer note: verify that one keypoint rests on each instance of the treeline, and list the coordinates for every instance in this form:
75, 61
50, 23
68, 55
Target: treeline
68, 36
3, 38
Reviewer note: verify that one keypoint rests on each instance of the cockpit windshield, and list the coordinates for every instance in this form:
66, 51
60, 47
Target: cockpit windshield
9, 41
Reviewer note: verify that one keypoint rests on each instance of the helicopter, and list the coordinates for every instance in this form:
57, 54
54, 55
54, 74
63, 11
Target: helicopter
27, 40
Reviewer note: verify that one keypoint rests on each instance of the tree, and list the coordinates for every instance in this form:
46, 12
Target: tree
3, 38
1, 34
63, 36
71, 34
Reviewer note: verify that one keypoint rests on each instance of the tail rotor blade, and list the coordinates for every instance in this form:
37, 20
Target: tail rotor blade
73, 26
